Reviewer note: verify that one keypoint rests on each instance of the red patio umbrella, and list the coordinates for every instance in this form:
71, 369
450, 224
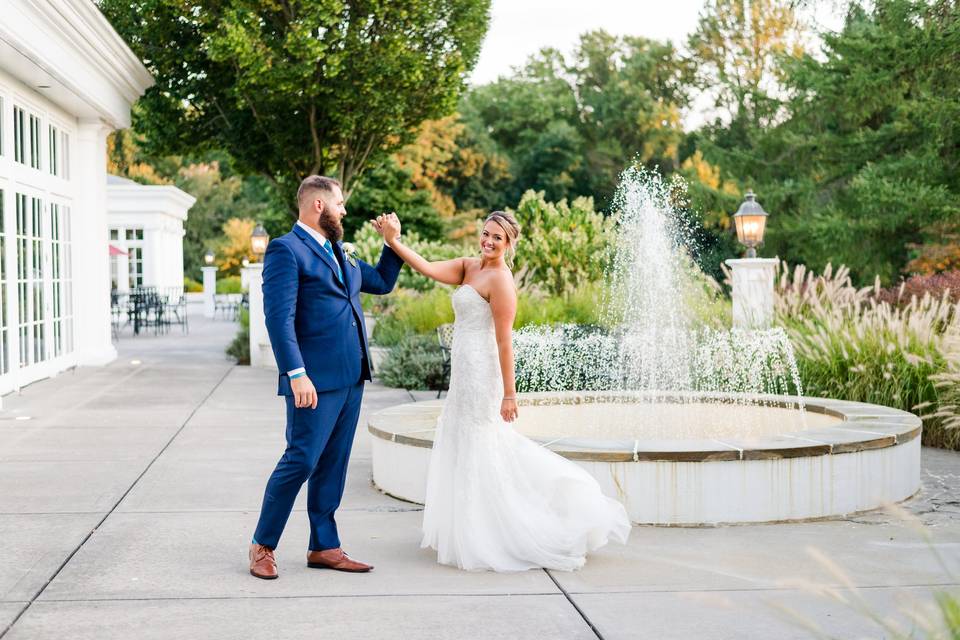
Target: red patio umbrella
116, 252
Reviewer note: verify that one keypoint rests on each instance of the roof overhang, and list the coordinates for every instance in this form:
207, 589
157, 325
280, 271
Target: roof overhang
69, 52
140, 199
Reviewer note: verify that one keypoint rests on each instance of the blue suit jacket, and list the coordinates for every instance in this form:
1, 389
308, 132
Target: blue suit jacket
313, 320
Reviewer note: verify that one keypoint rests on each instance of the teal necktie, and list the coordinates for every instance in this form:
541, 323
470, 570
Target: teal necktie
329, 250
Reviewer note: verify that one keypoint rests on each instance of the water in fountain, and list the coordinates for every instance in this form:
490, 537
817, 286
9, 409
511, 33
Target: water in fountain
658, 346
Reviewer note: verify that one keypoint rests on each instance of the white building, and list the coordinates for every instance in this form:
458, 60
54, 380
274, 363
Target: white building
146, 224
66, 81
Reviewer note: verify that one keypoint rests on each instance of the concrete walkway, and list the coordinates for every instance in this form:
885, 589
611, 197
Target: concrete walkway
128, 498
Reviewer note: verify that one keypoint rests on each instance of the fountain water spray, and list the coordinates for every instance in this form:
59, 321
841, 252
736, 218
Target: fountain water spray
658, 345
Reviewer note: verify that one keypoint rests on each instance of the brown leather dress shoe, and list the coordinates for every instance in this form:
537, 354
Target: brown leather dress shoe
262, 563
335, 559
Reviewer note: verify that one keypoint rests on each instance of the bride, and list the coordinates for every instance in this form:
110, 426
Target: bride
496, 500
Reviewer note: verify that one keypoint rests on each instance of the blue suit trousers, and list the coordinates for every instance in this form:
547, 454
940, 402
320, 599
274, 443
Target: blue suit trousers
318, 449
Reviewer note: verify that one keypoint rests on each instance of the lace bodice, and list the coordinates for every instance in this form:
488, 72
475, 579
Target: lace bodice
471, 310
475, 377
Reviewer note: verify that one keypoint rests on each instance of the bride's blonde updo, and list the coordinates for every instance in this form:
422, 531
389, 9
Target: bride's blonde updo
508, 223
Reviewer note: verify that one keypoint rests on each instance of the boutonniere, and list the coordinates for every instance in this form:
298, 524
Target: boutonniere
349, 249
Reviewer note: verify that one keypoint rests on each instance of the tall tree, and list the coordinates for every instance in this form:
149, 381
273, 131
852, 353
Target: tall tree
737, 49
862, 168
874, 139
569, 126
301, 86
631, 92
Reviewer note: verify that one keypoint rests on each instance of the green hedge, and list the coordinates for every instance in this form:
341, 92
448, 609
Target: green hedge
411, 313
230, 284
416, 362
240, 347
192, 286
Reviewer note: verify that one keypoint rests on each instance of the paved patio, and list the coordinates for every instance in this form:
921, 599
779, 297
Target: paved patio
128, 498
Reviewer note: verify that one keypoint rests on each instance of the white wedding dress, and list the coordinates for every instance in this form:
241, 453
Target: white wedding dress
495, 499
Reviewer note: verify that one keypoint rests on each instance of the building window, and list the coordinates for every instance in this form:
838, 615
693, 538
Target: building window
26, 138
34, 141
135, 251
114, 275
136, 266
4, 325
130, 241
19, 145
36, 261
65, 155
22, 277
30, 274
60, 275
53, 159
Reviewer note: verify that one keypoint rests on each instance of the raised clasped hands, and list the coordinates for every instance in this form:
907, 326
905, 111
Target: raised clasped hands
388, 226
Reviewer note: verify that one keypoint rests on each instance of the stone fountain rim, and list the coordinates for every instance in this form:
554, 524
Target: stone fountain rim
863, 427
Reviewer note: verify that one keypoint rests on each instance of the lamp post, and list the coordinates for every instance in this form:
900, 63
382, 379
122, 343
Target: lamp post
752, 276
751, 222
209, 282
258, 240
261, 352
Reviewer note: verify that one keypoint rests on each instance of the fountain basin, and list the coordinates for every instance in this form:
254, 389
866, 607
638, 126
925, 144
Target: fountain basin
694, 459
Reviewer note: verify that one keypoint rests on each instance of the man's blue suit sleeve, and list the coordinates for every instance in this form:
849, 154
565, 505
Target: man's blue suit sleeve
381, 279
281, 281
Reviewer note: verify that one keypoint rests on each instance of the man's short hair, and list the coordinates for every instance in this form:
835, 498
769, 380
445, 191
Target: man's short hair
315, 183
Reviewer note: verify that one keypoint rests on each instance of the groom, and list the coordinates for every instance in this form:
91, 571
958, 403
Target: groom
311, 299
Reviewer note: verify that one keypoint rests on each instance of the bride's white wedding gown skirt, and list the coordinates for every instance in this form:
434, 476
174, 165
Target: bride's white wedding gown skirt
495, 499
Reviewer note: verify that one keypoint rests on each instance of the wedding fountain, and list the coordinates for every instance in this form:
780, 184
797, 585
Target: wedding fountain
683, 420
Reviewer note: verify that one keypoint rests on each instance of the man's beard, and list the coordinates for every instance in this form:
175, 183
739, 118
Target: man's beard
330, 225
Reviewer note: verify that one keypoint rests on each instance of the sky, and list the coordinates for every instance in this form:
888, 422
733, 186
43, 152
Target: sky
519, 28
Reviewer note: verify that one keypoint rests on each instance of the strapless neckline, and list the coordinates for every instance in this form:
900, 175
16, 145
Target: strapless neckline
470, 287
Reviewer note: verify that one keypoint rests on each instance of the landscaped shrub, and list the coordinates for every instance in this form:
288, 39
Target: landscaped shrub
413, 313
192, 286
416, 362
230, 284
582, 305
937, 285
561, 245
851, 346
240, 347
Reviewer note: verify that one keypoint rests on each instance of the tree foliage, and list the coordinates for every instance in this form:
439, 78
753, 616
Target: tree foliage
862, 167
298, 87
569, 126
563, 245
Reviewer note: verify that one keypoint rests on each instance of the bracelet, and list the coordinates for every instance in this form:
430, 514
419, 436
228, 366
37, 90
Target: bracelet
509, 397
298, 375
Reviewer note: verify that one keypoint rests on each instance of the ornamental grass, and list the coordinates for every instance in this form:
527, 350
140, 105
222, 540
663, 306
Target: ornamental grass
854, 344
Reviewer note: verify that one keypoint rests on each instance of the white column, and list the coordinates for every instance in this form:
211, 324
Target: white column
151, 255
752, 292
209, 288
91, 261
177, 267
261, 351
